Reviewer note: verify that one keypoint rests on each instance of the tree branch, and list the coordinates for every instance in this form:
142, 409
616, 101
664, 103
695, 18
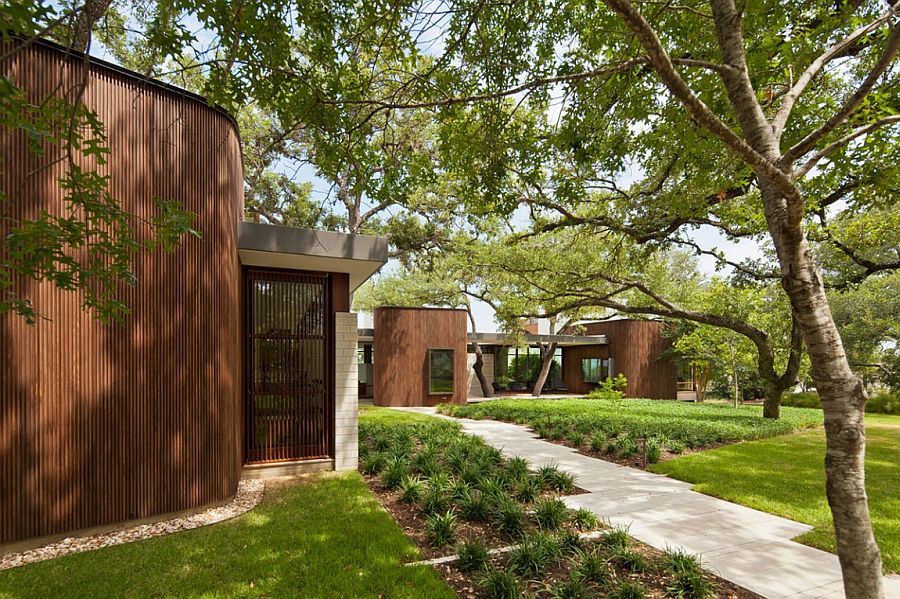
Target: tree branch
858, 132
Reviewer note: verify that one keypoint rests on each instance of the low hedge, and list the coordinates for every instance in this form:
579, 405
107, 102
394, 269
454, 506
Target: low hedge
880, 402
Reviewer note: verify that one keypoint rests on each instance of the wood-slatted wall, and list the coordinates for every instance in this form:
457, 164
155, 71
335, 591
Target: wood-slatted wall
638, 348
100, 424
403, 337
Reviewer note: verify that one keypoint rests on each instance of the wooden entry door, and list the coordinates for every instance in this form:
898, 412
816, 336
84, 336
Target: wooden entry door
289, 404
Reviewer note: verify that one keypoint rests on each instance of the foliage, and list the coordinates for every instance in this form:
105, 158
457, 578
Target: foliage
584, 519
611, 388
573, 588
508, 516
500, 584
593, 567
679, 423
533, 555
784, 476
879, 402
615, 539
627, 558
411, 489
627, 589
550, 513
473, 556
440, 528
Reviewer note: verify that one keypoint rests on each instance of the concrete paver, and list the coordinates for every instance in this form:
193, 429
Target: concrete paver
748, 547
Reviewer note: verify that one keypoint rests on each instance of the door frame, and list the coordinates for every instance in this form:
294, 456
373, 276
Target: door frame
247, 363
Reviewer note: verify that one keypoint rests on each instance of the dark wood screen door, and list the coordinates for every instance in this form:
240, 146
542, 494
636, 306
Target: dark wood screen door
289, 408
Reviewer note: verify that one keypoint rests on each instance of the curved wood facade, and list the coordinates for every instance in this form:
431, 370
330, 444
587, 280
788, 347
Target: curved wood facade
102, 424
638, 347
403, 337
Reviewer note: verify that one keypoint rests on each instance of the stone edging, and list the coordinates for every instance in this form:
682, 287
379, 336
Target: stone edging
249, 493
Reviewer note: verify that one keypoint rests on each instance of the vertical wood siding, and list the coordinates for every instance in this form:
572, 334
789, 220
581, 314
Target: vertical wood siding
638, 347
403, 337
100, 424
571, 365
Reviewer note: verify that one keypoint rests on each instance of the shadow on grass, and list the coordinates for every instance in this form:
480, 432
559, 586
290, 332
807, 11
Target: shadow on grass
324, 539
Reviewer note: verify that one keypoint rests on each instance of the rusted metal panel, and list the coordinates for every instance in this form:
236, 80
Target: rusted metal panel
100, 424
638, 348
402, 339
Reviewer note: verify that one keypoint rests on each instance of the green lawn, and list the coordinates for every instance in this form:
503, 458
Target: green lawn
675, 423
785, 476
376, 414
325, 538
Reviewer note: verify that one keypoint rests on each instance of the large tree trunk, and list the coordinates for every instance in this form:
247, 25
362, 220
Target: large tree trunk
91, 12
478, 367
546, 361
843, 401
772, 403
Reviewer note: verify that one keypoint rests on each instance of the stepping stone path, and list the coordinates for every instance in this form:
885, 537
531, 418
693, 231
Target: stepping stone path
750, 548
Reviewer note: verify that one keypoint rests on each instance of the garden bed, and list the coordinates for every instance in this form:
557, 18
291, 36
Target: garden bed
635, 432
456, 496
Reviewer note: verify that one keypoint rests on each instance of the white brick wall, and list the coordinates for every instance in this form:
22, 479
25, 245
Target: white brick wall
346, 392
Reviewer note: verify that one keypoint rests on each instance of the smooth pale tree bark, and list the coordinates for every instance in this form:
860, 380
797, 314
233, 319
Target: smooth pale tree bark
90, 12
547, 352
486, 389
842, 392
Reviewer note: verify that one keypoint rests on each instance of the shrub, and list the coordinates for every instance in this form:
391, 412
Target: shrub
611, 388
574, 588
473, 505
394, 473
528, 490
617, 538
509, 517
373, 462
533, 555
592, 567
473, 555
598, 442
411, 489
550, 513
499, 584
627, 590
884, 402
584, 519
440, 528
629, 559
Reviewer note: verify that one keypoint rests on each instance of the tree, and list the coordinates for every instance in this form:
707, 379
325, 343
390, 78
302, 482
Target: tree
87, 249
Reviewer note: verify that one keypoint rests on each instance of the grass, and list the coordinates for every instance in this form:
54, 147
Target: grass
670, 423
327, 538
785, 476
380, 415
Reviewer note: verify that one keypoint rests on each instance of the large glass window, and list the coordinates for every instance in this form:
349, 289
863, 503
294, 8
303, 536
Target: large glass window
440, 371
594, 370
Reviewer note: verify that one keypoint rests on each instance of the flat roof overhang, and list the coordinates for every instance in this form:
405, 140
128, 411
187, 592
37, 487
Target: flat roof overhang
531, 339
277, 246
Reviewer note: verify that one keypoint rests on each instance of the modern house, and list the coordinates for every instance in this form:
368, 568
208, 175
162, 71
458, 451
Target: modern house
239, 352
424, 356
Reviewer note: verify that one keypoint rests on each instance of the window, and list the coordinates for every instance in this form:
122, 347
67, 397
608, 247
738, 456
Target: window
594, 370
440, 371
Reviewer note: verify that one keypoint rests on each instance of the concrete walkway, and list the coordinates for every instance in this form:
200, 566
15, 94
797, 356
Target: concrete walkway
748, 547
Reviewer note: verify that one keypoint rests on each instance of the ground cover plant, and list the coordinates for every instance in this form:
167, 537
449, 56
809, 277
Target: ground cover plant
506, 522
324, 537
784, 476
634, 430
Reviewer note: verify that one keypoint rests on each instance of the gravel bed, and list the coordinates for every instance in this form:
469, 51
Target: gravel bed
248, 496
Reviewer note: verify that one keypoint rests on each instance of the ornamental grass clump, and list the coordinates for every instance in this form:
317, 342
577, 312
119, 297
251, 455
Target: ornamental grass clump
549, 513
473, 506
527, 490
373, 462
472, 556
628, 559
573, 588
500, 584
440, 529
614, 539
593, 567
569, 541
508, 516
598, 442
628, 589
534, 554
394, 472
552, 478
584, 519
435, 501
411, 489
